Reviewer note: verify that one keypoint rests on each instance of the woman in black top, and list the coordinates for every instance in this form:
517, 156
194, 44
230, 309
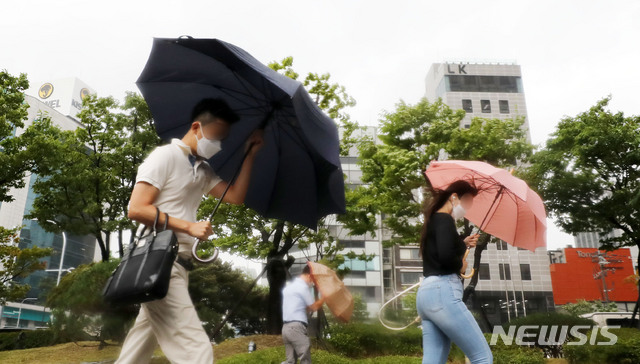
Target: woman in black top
445, 318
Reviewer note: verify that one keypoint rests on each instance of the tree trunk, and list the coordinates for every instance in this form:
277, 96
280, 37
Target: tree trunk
483, 241
277, 270
470, 290
120, 244
103, 249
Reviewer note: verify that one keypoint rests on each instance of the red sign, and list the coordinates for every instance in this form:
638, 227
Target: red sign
576, 280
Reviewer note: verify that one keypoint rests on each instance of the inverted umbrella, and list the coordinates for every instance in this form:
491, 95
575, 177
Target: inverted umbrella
297, 175
505, 207
335, 294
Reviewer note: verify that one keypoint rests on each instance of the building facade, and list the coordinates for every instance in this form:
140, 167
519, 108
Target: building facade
492, 91
59, 100
591, 274
593, 239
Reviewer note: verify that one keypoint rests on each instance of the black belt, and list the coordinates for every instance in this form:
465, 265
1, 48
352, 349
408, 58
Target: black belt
186, 263
294, 321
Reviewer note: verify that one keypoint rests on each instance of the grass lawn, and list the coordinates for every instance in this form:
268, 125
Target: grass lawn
270, 350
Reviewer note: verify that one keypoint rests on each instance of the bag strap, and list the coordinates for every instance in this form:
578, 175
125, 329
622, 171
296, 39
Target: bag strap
155, 222
166, 221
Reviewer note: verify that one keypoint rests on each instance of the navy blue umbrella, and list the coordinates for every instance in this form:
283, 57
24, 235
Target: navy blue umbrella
297, 175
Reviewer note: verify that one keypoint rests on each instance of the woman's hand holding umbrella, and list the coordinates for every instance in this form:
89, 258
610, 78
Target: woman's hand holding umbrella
470, 241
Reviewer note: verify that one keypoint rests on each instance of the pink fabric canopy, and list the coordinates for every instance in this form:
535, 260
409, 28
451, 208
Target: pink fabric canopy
506, 207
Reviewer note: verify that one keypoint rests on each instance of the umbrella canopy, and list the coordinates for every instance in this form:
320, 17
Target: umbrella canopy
297, 175
505, 206
336, 295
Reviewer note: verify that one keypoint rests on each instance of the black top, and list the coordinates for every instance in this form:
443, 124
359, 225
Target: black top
444, 248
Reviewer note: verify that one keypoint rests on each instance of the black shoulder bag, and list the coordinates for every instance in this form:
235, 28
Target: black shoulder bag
144, 272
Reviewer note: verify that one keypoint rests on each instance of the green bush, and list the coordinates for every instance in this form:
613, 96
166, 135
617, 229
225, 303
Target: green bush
625, 351
26, 339
515, 354
359, 340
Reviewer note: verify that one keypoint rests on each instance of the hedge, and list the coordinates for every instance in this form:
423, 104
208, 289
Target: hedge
625, 351
26, 339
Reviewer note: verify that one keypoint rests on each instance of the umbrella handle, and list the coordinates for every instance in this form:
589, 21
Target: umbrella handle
399, 295
473, 270
194, 249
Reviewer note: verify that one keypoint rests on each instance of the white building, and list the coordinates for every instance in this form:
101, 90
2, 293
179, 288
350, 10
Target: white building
492, 91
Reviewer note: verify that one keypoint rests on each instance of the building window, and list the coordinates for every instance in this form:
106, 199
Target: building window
485, 105
484, 273
410, 277
504, 106
525, 272
409, 254
471, 83
386, 256
502, 245
357, 274
505, 271
352, 243
467, 105
361, 265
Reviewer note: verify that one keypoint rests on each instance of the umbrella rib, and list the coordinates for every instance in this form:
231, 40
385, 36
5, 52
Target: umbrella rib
225, 89
498, 200
241, 81
296, 140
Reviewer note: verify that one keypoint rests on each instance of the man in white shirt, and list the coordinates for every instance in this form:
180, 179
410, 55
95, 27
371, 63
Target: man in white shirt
174, 178
297, 301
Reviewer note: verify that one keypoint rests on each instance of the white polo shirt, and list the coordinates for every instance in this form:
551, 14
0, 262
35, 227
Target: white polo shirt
296, 297
181, 184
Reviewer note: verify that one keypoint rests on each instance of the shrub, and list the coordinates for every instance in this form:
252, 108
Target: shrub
26, 339
362, 340
515, 354
625, 351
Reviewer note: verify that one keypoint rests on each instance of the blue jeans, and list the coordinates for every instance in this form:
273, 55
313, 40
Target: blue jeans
445, 318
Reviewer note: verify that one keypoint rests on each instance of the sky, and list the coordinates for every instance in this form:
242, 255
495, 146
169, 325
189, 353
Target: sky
572, 53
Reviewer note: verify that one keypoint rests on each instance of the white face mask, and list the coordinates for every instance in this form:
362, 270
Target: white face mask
207, 148
458, 211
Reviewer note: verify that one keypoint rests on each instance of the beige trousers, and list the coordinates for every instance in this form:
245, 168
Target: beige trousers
171, 322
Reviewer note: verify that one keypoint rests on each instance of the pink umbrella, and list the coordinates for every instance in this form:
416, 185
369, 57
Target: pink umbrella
506, 207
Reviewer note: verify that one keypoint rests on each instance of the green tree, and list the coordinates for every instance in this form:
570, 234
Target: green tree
85, 181
79, 312
13, 113
17, 263
217, 287
245, 232
589, 177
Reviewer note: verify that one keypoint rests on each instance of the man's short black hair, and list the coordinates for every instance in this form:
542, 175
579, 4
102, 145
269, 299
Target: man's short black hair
207, 110
306, 269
